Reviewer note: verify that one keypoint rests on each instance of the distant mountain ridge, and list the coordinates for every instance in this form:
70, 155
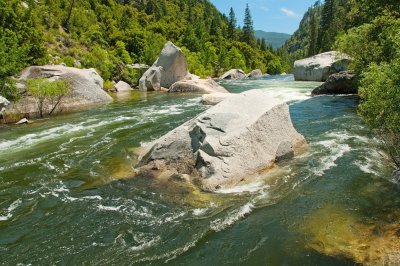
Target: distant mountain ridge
275, 39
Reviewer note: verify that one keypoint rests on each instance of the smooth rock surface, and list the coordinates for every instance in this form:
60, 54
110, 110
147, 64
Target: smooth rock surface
87, 85
233, 74
198, 86
320, 67
169, 68
122, 86
255, 74
23, 121
214, 98
233, 140
340, 83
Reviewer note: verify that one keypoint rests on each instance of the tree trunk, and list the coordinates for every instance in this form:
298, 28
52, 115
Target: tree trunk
55, 106
66, 22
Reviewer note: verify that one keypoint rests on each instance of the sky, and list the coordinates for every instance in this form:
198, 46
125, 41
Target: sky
268, 15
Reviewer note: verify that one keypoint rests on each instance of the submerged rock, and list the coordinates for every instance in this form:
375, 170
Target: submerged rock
198, 85
233, 74
320, 67
214, 98
122, 86
255, 74
337, 231
169, 68
87, 85
233, 140
340, 83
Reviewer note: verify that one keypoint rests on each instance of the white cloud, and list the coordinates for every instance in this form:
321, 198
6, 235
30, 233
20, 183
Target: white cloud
264, 8
289, 12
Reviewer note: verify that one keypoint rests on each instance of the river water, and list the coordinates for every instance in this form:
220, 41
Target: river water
65, 199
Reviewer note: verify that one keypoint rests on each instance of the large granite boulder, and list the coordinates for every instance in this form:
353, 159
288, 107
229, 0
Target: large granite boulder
122, 86
229, 142
87, 85
340, 83
3, 104
169, 68
320, 67
214, 98
233, 74
198, 86
255, 74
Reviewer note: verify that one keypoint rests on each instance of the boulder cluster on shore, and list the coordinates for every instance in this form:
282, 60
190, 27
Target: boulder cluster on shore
168, 73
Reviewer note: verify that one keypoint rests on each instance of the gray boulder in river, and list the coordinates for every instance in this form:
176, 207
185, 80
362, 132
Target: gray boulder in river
255, 74
320, 67
228, 143
169, 68
233, 74
198, 86
340, 83
87, 85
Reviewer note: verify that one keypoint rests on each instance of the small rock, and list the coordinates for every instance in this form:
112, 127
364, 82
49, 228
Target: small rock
23, 121
255, 74
233, 74
197, 86
122, 86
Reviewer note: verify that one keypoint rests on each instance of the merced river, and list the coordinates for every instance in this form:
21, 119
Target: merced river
67, 195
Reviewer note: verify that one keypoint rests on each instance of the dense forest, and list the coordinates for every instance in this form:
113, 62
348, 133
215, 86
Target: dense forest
109, 34
368, 31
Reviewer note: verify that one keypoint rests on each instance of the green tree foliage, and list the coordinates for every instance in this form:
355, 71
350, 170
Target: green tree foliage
48, 94
374, 42
375, 49
109, 35
380, 108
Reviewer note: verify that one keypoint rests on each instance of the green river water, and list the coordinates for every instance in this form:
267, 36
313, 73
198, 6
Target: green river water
64, 199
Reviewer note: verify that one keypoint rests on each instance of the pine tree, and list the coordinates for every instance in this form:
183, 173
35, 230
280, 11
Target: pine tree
248, 29
263, 46
232, 24
326, 20
312, 48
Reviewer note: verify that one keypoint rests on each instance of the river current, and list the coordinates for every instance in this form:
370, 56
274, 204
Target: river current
65, 197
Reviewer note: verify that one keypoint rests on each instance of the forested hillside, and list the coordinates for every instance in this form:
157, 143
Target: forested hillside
274, 39
368, 31
109, 34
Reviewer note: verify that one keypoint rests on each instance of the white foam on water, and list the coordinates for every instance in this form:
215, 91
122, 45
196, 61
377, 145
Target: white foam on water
28, 140
220, 224
250, 187
10, 210
146, 244
336, 150
109, 208
200, 211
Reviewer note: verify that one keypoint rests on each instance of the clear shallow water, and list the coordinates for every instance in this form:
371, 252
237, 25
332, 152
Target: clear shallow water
62, 199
